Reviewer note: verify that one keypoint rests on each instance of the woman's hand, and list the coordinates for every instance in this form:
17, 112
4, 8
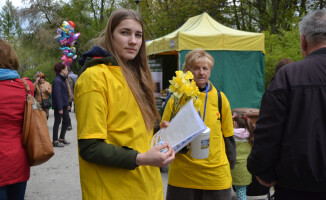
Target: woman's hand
154, 157
164, 124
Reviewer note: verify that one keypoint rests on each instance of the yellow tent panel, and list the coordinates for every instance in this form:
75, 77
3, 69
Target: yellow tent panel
202, 31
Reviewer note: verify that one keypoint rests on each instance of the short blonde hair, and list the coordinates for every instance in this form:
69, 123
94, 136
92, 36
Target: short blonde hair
8, 56
195, 56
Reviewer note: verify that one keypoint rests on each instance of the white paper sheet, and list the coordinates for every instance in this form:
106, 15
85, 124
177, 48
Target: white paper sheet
183, 128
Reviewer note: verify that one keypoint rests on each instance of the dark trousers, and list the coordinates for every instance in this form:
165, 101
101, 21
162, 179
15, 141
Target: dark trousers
282, 193
57, 121
178, 193
13, 192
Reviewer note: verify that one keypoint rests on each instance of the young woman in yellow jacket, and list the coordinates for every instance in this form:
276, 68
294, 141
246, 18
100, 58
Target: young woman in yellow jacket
116, 112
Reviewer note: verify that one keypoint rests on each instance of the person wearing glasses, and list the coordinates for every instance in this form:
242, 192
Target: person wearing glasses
43, 90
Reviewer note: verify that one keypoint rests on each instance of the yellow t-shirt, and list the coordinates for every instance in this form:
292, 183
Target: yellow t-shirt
106, 109
212, 173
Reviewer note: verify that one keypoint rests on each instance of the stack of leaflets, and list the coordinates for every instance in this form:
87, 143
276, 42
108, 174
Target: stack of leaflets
182, 129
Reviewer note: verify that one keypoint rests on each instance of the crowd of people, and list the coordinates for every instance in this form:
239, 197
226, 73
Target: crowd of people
116, 114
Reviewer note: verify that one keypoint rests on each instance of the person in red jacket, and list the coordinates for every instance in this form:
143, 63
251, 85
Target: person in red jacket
14, 167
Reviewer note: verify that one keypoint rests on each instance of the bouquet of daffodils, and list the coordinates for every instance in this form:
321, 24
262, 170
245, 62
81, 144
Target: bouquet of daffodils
183, 90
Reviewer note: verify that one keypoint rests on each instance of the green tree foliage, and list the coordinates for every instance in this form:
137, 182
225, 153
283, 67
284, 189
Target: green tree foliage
314, 4
286, 44
162, 17
90, 19
265, 15
9, 22
39, 12
38, 50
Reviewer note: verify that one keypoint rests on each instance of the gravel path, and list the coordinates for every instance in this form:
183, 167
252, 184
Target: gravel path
57, 179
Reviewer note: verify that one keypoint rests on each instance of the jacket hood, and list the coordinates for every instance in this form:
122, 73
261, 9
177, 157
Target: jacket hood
96, 51
96, 56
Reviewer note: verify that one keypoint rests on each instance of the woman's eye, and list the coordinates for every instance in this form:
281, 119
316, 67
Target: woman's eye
124, 32
138, 35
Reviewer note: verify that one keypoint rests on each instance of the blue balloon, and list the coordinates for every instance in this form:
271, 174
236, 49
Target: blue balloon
70, 54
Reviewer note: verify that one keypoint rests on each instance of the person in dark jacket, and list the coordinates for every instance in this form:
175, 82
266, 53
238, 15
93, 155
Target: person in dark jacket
60, 104
290, 136
255, 188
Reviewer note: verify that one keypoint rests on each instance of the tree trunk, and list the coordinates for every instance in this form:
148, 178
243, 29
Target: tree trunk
94, 12
261, 7
275, 5
236, 15
101, 11
249, 26
303, 8
321, 4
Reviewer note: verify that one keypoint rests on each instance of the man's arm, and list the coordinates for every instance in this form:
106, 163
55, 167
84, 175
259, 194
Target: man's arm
231, 150
268, 135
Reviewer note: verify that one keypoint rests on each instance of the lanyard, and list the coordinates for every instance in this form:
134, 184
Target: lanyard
205, 105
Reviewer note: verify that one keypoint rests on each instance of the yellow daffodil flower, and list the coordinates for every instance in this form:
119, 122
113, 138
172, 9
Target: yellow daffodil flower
183, 89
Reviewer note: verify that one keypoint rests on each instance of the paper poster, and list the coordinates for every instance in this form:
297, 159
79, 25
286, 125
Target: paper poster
183, 128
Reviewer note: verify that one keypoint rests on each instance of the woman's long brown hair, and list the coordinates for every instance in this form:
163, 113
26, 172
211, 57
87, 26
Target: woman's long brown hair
137, 72
8, 56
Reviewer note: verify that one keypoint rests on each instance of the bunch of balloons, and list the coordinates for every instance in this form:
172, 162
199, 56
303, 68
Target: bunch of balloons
67, 39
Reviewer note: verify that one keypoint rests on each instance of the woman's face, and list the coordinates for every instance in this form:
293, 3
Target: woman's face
127, 38
201, 71
42, 79
64, 71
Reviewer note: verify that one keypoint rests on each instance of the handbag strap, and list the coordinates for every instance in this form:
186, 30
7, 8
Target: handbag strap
219, 104
27, 110
27, 88
40, 91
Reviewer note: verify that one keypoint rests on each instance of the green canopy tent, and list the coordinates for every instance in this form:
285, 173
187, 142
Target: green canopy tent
239, 68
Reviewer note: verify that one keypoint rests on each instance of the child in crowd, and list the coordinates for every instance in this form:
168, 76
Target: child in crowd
243, 135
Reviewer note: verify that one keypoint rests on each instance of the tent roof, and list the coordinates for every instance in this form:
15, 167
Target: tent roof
202, 31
